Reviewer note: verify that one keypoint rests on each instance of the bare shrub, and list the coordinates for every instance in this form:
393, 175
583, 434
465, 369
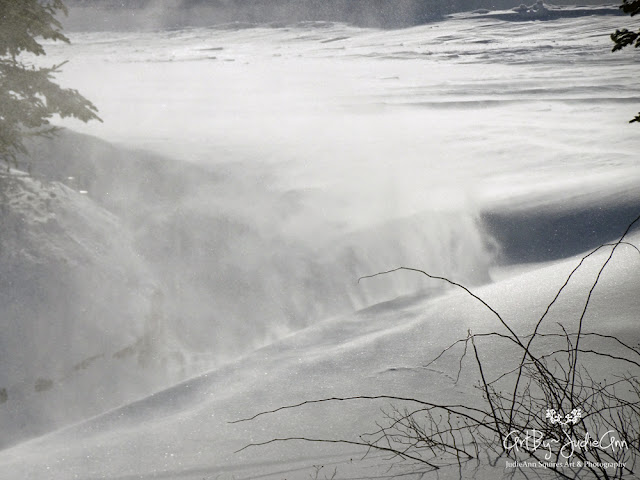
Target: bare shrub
548, 411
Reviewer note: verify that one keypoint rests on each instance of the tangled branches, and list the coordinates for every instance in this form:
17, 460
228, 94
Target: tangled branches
549, 411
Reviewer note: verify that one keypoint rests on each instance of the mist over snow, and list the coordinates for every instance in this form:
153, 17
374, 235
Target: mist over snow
213, 229
74, 295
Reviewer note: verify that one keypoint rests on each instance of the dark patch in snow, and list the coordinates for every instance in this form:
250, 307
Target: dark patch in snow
542, 11
43, 384
337, 39
543, 235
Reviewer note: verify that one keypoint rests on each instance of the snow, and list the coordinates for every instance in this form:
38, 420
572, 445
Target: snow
73, 294
183, 432
248, 176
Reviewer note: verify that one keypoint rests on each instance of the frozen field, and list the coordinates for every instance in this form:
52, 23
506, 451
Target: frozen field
285, 162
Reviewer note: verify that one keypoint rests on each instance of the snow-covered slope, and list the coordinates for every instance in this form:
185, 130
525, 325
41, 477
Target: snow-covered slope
132, 270
76, 305
183, 432
289, 162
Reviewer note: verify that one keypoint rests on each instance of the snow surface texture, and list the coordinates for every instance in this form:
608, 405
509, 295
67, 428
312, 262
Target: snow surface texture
285, 163
175, 14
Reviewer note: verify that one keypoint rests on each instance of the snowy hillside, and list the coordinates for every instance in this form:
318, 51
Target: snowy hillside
78, 310
183, 432
213, 230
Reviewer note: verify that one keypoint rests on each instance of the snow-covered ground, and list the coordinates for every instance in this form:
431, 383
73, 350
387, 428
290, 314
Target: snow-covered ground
279, 165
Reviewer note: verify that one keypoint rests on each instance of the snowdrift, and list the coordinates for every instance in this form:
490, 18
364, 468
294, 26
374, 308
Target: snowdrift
183, 432
75, 305
124, 272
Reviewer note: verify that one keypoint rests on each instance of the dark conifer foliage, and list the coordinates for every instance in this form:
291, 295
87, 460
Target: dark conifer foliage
29, 97
623, 37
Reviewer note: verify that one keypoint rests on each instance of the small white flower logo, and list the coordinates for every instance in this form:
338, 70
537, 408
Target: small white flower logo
573, 417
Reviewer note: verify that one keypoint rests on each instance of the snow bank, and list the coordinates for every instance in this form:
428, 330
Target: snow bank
124, 271
183, 432
242, 261
76, 305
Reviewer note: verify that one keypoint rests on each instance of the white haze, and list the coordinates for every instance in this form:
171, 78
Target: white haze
315, 164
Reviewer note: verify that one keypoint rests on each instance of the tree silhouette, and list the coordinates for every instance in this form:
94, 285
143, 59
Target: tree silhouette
28, 95
623, 37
